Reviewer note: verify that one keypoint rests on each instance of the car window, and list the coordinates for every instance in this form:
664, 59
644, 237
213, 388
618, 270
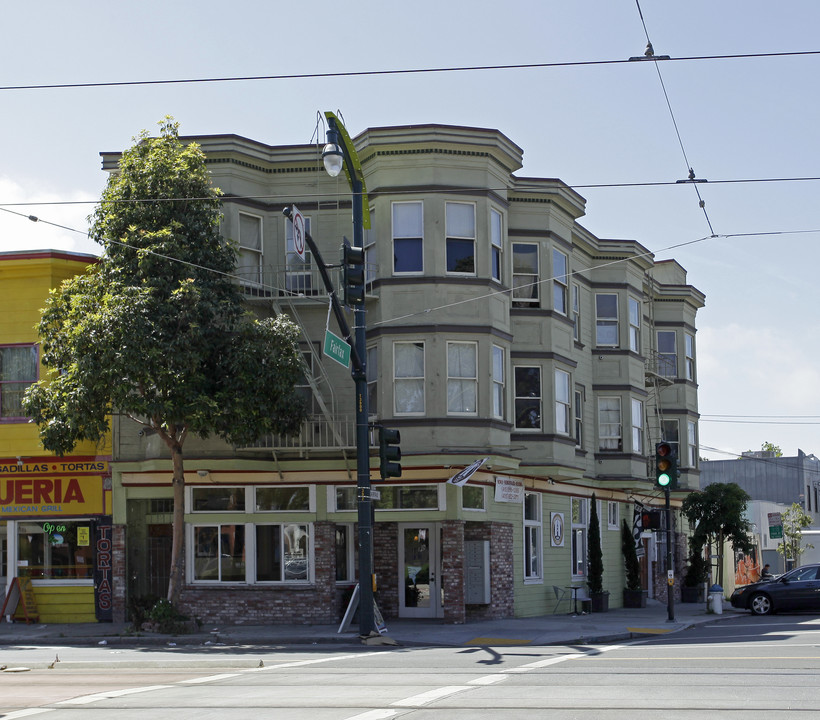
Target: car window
807, 573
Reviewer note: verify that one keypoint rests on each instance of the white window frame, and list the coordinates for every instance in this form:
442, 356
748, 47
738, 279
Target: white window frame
499, 375
459, 385
610, 438
692, 443
528, 281
634, 324
311, 508
496, 245
667, 360
636, 407
689, 349
563, 402
579, 524
251, 276
528, 399
560, 289
532, 536
579, 397
394, 205
576, 311
605, 324
459, 240
670, 433
333, 500
310, 557
441, 498
191, 533
612, 515
246, 491
410, 379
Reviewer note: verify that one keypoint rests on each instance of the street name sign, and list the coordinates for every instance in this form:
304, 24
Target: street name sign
337, 349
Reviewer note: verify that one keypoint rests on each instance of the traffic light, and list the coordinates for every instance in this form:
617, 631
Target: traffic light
352, 274
666, 466
389, 453
651, 520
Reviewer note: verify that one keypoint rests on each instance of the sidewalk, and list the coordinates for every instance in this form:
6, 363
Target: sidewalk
618, 624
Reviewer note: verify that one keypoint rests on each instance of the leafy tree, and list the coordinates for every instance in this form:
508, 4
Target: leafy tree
594, 552
772, 448
717, 514
794, 520
157, 331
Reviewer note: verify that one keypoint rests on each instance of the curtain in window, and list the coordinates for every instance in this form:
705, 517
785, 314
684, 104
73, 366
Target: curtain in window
461, 381
609, 423
409, 378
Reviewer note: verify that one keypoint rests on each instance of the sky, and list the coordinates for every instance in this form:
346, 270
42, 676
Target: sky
753, 249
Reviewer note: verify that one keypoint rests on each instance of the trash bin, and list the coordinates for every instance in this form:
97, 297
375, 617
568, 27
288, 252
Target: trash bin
716, 599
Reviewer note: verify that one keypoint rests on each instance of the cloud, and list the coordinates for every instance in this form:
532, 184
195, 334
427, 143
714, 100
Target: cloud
18, 232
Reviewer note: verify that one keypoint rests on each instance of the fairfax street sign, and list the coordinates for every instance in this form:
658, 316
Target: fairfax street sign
337, 349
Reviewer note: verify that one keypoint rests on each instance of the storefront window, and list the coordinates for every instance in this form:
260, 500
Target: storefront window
274, 543
408, 497
219, 553
271, 499
58, 550
218, 499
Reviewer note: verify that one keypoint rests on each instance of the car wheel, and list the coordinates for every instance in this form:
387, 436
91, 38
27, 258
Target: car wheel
761, 604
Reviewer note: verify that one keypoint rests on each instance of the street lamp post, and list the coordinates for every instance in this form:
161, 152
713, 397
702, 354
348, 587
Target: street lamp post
337, 155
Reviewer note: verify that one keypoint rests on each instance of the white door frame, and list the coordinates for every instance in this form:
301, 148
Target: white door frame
430, 605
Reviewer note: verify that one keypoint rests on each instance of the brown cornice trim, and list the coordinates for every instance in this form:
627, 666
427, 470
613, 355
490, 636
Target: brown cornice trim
435, 329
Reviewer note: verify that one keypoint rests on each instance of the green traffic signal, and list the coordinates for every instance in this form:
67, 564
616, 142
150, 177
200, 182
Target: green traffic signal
665, 466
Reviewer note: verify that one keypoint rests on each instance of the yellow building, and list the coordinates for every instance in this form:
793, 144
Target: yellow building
55, 524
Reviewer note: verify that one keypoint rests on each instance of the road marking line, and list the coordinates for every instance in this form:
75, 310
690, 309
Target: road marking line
85, 699
28, 712
374, 715
487, 680
211, 678
302, 663
545, 663
430, 696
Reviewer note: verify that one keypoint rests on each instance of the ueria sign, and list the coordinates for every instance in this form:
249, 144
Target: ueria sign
52, 486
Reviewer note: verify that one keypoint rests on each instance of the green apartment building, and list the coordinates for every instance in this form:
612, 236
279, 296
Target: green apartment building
498, 327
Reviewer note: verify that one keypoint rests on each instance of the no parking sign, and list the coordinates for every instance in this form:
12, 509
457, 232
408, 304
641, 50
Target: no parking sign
298, 232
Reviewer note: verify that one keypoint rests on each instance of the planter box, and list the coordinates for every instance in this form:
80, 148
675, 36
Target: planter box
599, 602
691, 594
635, 598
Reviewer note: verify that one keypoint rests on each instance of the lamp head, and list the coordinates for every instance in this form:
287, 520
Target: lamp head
333, 158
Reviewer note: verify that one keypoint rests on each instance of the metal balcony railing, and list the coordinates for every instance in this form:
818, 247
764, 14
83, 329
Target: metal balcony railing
292, 281
318, 433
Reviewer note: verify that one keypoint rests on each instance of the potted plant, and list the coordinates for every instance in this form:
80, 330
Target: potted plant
634, 594
598, 597
697, 574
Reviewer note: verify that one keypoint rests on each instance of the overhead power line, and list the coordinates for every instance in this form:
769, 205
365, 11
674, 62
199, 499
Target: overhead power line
405, 71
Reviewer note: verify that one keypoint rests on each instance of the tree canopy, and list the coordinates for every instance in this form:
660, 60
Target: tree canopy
156, 330
794, 519
717, 514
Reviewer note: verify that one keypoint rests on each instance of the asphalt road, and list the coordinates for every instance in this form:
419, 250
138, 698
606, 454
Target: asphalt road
747, 668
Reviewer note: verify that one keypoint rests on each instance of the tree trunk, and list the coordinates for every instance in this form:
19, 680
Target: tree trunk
177, 578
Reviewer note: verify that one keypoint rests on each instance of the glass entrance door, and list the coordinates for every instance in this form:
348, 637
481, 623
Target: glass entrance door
420, 571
